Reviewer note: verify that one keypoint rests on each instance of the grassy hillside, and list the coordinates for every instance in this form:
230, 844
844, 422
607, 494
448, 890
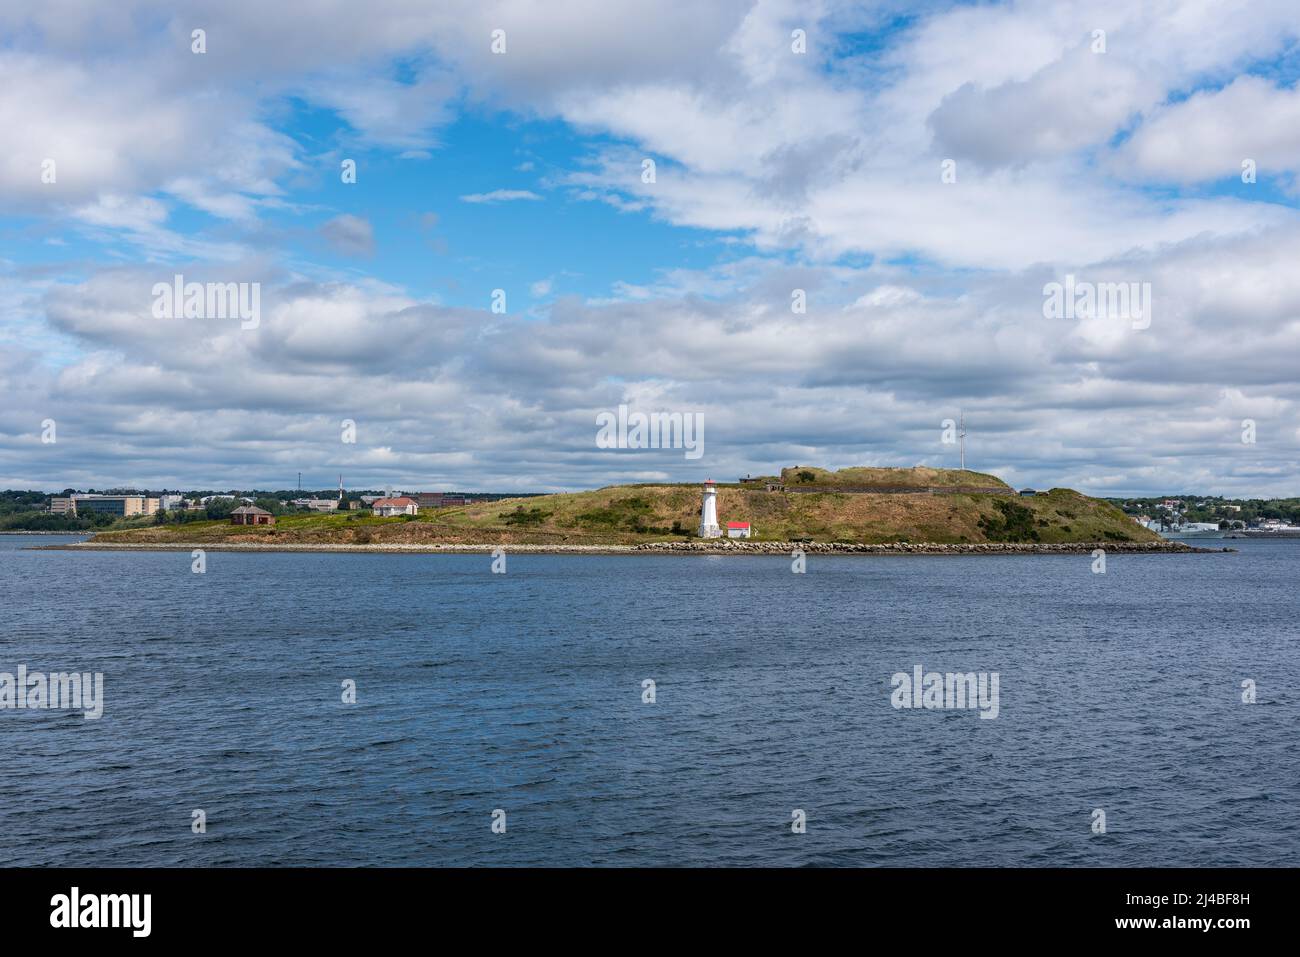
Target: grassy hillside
630, 514
648, 512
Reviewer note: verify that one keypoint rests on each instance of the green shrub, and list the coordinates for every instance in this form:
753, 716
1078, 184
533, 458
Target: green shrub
1016, 523
526, 516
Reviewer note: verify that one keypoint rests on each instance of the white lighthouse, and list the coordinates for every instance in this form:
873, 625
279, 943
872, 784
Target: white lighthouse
709, 512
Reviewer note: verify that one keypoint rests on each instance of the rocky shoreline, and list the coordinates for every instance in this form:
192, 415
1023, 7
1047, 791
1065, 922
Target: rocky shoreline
27, 531
432, 548
922, 548
710, 547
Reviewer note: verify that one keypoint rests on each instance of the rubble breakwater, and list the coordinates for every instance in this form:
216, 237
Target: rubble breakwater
728, 547
712, 546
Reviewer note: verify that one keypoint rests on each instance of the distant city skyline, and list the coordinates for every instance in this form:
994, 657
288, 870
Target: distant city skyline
821, 234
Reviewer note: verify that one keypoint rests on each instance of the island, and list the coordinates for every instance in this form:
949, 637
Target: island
868, 510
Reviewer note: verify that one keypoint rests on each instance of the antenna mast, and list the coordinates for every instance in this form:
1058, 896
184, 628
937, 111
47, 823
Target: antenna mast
962, 434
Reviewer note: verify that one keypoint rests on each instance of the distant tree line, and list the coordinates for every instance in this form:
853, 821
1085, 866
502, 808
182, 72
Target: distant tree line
1216, 508
28, 510
25, 512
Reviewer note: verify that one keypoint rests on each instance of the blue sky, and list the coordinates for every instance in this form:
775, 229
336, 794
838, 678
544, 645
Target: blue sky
470, 248
777, 171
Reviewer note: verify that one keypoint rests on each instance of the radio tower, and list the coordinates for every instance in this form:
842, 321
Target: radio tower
961, 433
340, 488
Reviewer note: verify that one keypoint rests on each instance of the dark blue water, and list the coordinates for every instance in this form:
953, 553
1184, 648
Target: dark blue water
523, 692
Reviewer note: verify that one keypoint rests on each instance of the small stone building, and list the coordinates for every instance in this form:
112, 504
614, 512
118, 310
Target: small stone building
251, 515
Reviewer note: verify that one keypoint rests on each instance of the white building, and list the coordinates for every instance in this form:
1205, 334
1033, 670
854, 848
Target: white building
738, 530
709, 511
385, 507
